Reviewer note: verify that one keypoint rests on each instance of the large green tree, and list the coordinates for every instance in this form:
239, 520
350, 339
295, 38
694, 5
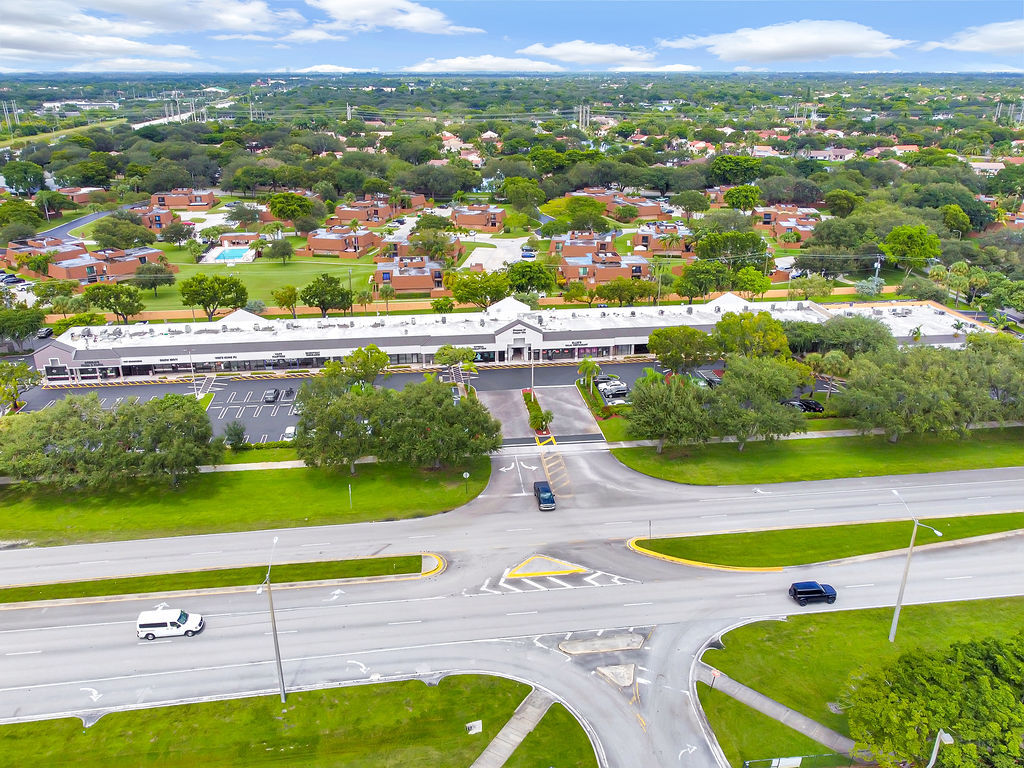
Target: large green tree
153, 275
288, 206
530, 277
522, 194
121, 299
671, 411
681, 348
750, 335
747, 402
911, 247
20, 323
326, 293
15, 378
23, 177
365, 364
211, 292
113, 232
478, 288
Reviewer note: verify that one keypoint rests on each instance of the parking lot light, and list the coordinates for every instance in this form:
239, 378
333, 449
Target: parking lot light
273, 619
940, 738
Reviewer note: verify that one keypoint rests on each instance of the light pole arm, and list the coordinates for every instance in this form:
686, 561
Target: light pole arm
903, 586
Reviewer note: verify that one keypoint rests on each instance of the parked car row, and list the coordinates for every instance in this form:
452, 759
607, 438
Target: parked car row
614, 390
805, 405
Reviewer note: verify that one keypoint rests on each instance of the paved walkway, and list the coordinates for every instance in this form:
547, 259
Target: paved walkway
525, 719
790, 717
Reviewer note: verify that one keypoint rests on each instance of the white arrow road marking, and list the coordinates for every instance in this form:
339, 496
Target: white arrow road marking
762, 493
690, 749
334, 596
93, 693
506, 469
161, 606
362, 667
526, 466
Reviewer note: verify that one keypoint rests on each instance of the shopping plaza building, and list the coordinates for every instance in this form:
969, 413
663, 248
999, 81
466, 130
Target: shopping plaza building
507, 332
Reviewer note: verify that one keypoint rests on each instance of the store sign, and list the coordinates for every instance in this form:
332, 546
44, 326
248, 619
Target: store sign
312, 354
577, 343
131, 361
518, 331
225, 357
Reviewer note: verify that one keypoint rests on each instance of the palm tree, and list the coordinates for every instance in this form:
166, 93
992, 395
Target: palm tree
671, 241
274, 229
459, 196
386, 292
363, 298
833, 364
958, 326
915, 334
588, 370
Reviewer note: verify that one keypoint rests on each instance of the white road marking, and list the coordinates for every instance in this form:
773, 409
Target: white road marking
857, 586
516, 530
93, 562
630, 605
803, 509
956, 578
708, 517
520, 613
533, 584
22, 653
753, 594
398, 623
642, 681
620, 522
969, 498
211, 552
324, 544
560, 583
153, 642
285, 632
424, 536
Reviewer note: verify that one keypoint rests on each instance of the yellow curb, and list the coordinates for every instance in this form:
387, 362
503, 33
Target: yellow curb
440, 566
518, 573
632, 544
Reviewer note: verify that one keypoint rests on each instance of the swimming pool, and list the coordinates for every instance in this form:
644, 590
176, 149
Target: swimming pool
232, 254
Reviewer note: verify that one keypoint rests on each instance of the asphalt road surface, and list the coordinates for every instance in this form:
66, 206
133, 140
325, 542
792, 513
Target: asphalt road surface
85, 660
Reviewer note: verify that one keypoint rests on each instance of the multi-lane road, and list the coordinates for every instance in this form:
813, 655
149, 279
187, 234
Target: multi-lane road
84, 659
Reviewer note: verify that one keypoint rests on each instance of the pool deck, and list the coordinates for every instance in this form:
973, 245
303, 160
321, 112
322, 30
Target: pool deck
213, 257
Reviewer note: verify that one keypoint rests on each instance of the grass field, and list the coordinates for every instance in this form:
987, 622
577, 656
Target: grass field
558, 740
614, 429
747, 734
406, 725
46, 138
284, 573
822, 459
233, 501
798, 546
254, 456
772, 657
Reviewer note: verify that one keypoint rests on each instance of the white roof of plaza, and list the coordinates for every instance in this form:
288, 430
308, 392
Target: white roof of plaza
243, 328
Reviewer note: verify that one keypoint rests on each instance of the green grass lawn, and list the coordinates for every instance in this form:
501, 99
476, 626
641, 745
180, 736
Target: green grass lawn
262, 276
234, 501
614, 429
772, 657
284, 573
558, 741
797, 546
406, 724
746, 734
822, 459
46, 138
254, 456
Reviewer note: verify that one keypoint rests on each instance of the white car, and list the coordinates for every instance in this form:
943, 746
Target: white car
168, 622
289, 434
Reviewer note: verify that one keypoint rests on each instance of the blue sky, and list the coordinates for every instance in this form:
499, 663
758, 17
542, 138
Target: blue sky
511, 35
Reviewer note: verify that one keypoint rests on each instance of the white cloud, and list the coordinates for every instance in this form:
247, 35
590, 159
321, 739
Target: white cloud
28, 44
140, 65
485, 63
745, 68
197, 15
594, 55
368, 15
999, 37
327, 69
311, 35
806, 40
659, 68
239, 36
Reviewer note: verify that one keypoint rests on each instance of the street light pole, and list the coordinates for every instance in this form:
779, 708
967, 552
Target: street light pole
906, 567
941, 738
273, 621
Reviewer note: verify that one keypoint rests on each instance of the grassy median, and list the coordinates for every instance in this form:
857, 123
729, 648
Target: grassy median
806, 661
558, 741
826, 458
407, 724
799, 546
283, 573
235, 501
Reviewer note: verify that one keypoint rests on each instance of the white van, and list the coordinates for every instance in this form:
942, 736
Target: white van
168, 622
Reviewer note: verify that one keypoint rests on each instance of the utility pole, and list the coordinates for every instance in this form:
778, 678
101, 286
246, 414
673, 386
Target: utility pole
348, 111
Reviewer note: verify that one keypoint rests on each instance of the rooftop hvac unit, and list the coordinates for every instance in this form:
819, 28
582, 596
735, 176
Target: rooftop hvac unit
718, 310
848, 313
632, 313
773, 307
443, 319
604, 314
188, 328
689, 310
799, 305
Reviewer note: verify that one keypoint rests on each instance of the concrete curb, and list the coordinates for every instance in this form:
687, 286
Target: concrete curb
633, 545
440, 565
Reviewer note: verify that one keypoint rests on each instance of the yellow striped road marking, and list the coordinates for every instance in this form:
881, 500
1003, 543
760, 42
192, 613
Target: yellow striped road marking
542, 565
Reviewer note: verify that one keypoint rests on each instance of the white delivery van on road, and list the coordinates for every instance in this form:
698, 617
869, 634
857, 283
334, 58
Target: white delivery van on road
168, 622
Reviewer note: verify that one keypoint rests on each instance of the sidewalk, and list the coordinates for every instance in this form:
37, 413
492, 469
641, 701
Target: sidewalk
789, 717
525, 719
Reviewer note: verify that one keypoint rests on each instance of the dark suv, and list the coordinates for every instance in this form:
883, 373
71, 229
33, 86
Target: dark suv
545, 498
805, 592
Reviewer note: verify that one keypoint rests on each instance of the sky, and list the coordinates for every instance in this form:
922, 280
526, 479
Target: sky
535, 36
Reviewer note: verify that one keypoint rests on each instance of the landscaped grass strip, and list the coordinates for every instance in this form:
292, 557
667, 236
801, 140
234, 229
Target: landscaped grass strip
806, 661
407, 724
826, 458
798, 546
558, 740
236, 501
220, 577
